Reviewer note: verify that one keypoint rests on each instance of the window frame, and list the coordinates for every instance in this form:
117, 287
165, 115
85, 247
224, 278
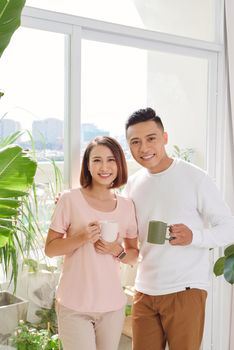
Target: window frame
78, 28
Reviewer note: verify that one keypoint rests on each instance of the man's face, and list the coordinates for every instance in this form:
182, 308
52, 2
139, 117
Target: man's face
147, 144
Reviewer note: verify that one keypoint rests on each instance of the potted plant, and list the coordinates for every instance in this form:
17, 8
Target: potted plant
12, 309
17, 170
225, 265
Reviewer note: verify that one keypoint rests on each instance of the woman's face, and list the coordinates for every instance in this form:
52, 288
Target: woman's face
102, 166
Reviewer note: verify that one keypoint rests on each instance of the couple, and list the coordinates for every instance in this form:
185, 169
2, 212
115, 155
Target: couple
172, 279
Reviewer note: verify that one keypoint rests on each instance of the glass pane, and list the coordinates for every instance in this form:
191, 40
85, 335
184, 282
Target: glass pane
194, 19
32, 79
119, 80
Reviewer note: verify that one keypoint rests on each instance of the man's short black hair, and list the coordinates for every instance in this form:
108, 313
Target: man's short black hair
143, 115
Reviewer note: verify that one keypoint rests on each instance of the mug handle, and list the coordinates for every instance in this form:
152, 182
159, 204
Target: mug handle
170, 238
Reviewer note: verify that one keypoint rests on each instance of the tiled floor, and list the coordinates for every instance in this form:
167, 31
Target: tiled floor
125, 343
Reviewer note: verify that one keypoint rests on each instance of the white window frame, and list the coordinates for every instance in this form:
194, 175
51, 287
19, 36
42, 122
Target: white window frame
78, 28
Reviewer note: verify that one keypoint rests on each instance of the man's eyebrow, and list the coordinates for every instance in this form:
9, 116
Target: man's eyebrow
137, 138
134, 138
152, 134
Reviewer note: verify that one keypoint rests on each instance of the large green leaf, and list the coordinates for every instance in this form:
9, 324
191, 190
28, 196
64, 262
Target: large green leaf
229, 269
219, 266
17, 171
229, 250
10, 14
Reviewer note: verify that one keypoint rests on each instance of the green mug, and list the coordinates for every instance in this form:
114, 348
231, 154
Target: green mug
157, 231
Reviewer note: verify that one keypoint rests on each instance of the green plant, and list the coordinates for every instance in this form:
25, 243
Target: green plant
17, 171
35, 266
21, 228
30, 225
10, 13
20, 225
53, 343
128, 310
17, 167
183, 153
225, 265
48, 319
27, 337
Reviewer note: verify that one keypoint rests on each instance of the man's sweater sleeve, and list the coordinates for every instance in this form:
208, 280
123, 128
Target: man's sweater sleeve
217, 214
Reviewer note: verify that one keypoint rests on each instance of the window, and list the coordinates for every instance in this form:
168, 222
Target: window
32, 78
110, 70
119, 79
194, 19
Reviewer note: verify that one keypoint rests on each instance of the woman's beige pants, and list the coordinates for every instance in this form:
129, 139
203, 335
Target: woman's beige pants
89, 331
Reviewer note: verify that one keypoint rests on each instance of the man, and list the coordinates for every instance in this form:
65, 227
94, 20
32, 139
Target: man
172, 279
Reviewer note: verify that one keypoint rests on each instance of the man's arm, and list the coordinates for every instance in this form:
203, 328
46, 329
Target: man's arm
217, 214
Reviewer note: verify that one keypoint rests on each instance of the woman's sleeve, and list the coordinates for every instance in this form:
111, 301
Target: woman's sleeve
60, 220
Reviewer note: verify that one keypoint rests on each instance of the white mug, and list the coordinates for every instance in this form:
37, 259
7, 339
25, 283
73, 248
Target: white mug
109, 230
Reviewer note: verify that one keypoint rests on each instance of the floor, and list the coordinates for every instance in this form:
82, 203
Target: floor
125, 343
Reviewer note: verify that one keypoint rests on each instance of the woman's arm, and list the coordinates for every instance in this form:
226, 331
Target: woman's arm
131, 250
58, 244
130, 247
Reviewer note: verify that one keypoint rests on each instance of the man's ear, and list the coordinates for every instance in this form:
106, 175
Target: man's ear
165, 137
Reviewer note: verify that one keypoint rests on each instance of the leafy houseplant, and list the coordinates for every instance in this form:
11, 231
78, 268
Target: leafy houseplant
27, 337
183, 153
48, 319
225, 265
17, 168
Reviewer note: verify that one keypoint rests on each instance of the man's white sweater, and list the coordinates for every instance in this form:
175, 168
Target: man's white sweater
182, 194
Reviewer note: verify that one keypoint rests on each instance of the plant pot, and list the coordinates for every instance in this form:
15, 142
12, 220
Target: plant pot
12, 310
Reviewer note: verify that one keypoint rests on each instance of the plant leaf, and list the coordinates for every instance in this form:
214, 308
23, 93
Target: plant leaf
17, 171
11, 138
218, 268
4, 235
10, 13
229, 250
9, 203
229, 269
7, 212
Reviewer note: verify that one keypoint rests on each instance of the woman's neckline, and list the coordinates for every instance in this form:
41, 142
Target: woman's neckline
85, 199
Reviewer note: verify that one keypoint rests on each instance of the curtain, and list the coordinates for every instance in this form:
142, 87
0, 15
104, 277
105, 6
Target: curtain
229, 107
229, 158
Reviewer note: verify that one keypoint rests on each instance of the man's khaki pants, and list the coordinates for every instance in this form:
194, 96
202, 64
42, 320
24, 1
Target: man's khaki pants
176, 318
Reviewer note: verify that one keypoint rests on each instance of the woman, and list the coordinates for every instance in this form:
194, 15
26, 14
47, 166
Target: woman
90, 299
